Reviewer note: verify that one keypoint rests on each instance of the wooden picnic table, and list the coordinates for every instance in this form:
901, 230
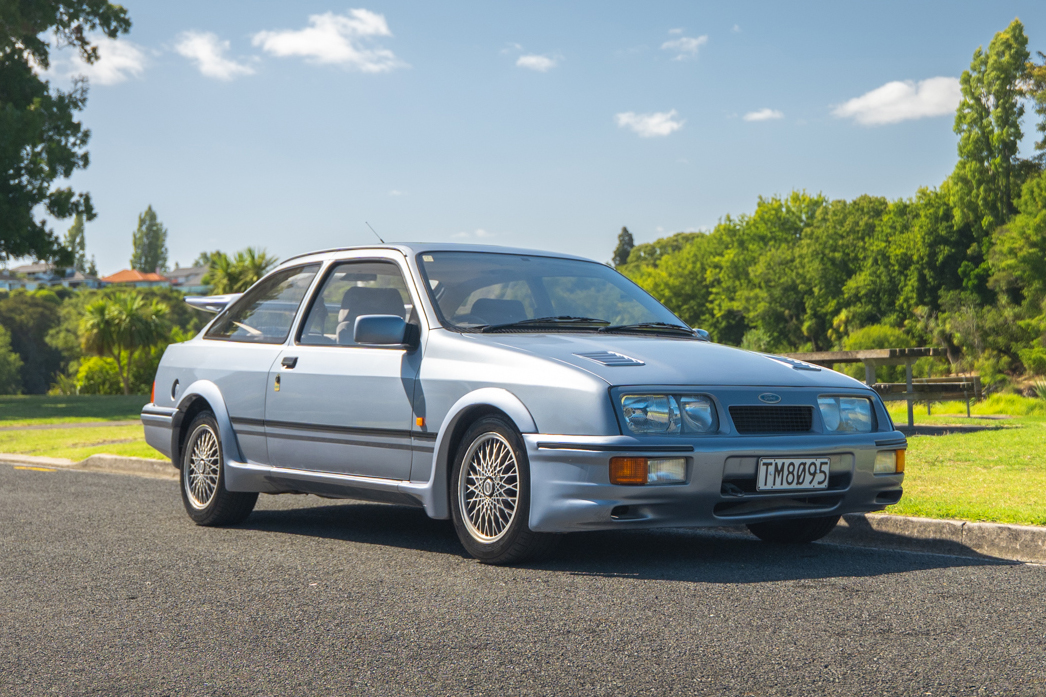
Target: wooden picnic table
872, 359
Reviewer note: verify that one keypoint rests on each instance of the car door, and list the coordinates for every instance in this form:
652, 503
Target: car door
247, 339
334, 406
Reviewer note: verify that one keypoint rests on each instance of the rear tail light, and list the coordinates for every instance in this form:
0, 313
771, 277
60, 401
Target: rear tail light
152, 395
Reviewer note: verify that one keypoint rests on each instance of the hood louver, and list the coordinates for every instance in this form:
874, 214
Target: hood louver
610, 358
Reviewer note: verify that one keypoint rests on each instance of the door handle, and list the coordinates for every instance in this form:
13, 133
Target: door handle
289, 362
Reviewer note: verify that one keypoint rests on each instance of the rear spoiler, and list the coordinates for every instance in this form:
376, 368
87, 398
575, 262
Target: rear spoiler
212, 303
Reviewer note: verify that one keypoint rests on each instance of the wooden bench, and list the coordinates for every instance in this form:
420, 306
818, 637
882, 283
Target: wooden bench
929, 389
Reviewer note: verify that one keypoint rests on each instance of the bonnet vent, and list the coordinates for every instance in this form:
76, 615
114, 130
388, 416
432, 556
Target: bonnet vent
610, 358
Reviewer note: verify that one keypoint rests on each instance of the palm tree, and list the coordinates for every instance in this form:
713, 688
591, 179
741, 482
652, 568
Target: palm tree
120, 326
239, 273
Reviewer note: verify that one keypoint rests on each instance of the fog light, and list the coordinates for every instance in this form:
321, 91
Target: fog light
637, 471
666, 470
889, 462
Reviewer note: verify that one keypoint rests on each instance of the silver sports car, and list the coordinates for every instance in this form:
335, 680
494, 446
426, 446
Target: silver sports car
521, 393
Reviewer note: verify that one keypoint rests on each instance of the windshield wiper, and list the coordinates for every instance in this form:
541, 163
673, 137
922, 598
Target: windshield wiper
560, 321
649, 327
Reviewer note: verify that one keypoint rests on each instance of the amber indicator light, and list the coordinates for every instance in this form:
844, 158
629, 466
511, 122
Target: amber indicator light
628, 470
900, 461
420, 421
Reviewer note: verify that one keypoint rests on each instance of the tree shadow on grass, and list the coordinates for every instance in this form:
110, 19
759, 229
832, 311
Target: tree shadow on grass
686, 555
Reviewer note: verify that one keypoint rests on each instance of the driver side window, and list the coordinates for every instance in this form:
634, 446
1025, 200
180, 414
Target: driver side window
350, 290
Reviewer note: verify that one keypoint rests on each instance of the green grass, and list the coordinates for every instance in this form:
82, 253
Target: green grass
78, 443
997, 475
40, 409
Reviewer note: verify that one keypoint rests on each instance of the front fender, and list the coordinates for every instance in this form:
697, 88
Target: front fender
434, 492
208, 391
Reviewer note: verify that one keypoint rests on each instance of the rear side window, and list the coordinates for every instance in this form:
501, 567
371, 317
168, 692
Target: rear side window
265, 312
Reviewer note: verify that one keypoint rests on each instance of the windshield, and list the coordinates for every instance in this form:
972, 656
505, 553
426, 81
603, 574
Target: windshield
482, 291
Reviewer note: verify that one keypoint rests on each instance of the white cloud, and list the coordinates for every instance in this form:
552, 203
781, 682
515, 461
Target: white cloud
118, 60
736, 29
478, 234
650, 125
335, 40
902, 101
677, 30
685, 46
208, 52
395, 192
763, 115
540, 63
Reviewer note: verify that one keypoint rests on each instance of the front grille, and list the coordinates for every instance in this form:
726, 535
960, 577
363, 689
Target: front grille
759, 419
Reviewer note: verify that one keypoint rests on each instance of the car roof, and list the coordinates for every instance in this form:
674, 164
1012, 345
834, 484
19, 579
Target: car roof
412, 248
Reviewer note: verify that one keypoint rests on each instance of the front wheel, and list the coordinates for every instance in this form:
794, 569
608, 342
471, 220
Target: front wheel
490, 495
795, 531
206, 499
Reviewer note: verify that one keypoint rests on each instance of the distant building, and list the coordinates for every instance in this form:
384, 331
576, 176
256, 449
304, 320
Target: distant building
189, 280
11, 282
45, 275
138, 279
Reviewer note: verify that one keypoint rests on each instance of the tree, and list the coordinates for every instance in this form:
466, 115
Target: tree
150, 243
76, 242
625, 243
987, 178
239, 273
205, 258
29, 317
120, 327
40, 139
10, 366
1034, 88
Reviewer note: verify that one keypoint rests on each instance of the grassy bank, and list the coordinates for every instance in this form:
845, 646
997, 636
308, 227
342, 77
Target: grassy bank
78, 443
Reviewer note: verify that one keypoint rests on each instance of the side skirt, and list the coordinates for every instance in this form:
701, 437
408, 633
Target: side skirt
242, 476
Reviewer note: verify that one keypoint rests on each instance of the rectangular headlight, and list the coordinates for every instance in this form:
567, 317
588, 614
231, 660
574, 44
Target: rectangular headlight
669, 414
846, 414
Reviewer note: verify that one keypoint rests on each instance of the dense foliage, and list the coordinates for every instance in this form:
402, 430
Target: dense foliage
149, 243
40, 139
962, 265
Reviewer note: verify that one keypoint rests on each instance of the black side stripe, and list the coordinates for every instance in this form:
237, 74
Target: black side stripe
321, 428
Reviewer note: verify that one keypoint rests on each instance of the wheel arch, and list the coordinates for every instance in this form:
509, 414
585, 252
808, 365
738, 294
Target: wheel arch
202, 395
475, 405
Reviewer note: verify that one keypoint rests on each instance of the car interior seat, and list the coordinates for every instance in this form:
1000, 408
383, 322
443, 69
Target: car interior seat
360, 300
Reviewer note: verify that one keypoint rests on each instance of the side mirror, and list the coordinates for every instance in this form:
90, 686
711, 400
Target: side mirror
383, 330
702, 334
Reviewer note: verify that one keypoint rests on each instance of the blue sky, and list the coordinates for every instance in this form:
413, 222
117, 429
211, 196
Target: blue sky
540, 124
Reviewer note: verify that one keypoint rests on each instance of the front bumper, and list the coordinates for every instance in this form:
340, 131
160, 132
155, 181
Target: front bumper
571, 489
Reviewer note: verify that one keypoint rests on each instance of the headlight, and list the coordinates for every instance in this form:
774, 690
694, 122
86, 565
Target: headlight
650, 413
661, 413
846, 414
698, 414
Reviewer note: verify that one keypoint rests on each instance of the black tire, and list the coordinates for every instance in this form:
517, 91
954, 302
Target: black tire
794, 531
202, 478
483, 532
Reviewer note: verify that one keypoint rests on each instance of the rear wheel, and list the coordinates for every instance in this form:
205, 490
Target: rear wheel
203, 478
795, 531
490, 495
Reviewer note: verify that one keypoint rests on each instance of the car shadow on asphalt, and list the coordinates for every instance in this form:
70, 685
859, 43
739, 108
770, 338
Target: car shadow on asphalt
687, 555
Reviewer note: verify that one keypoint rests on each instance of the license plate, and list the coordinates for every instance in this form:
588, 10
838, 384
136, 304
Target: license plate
787, 473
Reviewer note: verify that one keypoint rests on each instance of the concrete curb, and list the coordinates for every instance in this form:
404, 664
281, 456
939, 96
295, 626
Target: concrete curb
115, 464
1025, 543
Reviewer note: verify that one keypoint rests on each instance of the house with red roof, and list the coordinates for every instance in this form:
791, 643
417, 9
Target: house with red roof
138, 279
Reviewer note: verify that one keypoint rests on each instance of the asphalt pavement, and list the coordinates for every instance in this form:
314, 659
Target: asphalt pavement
106, 588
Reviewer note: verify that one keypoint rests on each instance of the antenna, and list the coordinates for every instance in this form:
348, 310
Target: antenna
375, 232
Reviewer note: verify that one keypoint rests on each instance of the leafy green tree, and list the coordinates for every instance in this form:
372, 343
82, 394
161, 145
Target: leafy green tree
625, 243
40, 139
988, 176
120, 327
76, 242
10, 366
1034, 88
150, 243
205, 258
29, 317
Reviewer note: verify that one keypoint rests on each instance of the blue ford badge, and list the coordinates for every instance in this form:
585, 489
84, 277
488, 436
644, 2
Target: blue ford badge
769, 398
